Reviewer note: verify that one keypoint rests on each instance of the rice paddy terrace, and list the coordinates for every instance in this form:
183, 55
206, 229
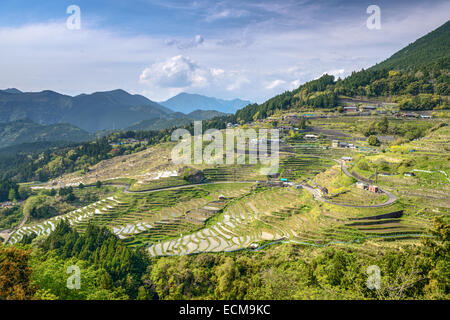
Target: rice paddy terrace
230, 215
309, 159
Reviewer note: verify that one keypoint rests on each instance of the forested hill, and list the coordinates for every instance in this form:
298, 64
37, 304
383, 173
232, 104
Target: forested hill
107, 110
416, 77
433, 47
27, 131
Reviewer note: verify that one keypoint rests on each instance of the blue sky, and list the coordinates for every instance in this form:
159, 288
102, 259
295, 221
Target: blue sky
246, 49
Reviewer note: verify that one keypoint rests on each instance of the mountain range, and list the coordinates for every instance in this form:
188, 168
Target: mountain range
187, 102
91, 112
109, 110
26, 131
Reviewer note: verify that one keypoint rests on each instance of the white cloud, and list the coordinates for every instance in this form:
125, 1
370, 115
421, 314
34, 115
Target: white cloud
275, 84
237, 81
226, 14
180, 72
336, 73
294, 84
217, 72
175, 72
254, 62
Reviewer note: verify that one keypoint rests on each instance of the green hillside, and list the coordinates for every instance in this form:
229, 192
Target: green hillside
27, 131
430, 48
416, 77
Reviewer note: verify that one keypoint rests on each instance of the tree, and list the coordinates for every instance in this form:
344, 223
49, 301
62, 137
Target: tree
373, 141
12, 195
98, 184
15, 274
383, 125
436, 256
24, 192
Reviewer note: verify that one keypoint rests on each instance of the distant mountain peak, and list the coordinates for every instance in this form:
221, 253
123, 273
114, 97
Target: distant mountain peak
116, 109
12, 90
188, 102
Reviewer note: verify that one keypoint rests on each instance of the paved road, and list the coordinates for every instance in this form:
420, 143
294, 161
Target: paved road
126, 188
391, 198
314, 192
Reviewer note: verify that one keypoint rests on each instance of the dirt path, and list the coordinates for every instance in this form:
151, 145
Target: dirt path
6, 235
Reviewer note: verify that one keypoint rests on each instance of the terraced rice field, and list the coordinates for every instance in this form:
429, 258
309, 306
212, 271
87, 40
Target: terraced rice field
253, 218
357, 196
141, 219
310, 159
389, 224
75, 218
272, 214
233, 173
285, 214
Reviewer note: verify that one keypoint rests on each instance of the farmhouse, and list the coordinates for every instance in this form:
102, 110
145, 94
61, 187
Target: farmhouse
310, 136
346, 159
362, 185
368, 108
285, 128
7, 204
335, 143
373, 189
291, 117
351, 109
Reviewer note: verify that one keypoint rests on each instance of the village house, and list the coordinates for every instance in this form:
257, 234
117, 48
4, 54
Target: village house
346, 159
335, 143
291, 117
285, 128
373, 189
362, 185
7, 204
311, 136
368, 108
351, 109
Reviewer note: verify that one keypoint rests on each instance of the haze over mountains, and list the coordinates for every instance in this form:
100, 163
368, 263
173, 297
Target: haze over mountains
108, 110
91, 112
27, 117
50, 116
187, 102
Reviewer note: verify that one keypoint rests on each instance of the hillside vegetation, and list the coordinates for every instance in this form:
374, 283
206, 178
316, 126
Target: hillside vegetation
27, 131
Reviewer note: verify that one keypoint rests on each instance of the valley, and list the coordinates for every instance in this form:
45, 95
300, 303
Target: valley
195, 197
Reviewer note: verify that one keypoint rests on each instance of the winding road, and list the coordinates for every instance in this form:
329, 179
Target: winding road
316, 194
